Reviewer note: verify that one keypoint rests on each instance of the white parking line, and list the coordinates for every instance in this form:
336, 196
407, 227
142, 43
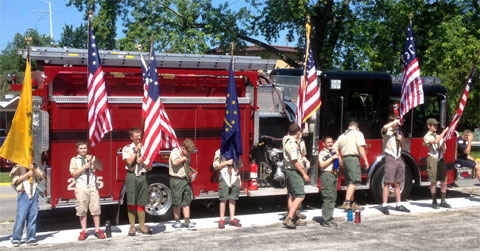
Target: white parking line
252, 220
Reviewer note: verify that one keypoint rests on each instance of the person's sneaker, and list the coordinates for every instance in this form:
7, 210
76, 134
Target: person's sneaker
384, 210
32, 243
145, 230
190, 226
346, 206
235, 223
453, 185
329, 224
300, 215
16, 244
445, 204
355, 206
132, 231
289, 223
82, 236
221, 224
300, 223
99, 234
402, 208
435, 205
177, 225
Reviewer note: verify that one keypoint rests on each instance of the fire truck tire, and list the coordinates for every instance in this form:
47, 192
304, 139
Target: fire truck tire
160, 197
376, 185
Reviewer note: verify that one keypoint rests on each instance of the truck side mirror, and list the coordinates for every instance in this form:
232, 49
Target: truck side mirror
443, 113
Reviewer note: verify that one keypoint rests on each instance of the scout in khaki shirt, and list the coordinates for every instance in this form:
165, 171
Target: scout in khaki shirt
25, 181
229, 183
436, 168
82, 168
180, 182
394, 165
136, 182
295, 174
328, 180
351, 145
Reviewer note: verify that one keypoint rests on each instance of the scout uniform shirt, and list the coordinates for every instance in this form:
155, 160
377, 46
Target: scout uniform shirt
127, 151
325, 152
433, 149
349, 141
76, 163
291, 152
392, 146
24, 186
179, 170
224, 171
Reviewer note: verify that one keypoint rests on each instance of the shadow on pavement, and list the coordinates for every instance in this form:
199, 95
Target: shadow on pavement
421, 204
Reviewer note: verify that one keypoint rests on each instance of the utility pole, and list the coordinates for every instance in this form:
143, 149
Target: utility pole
50, 13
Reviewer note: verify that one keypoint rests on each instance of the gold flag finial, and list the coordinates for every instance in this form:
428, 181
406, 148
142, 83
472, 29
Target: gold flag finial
410, 16
139, 47
232, 47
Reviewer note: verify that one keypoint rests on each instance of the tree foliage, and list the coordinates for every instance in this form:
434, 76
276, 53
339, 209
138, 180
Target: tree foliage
74, 38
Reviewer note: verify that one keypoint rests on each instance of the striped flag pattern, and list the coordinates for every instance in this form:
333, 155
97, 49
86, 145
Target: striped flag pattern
99, 119
461, 104
412, 84
309, 91
158, 132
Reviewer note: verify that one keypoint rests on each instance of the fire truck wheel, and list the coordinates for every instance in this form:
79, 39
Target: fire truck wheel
159, 197
376, 185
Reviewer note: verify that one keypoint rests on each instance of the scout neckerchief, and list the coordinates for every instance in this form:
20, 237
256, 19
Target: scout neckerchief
27, 186
84, 161
186, 166
229, 173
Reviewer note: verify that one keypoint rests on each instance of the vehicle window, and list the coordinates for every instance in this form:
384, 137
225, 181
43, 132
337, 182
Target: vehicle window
361, 106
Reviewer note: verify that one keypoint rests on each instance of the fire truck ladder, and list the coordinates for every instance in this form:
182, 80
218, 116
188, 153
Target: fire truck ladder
70, 57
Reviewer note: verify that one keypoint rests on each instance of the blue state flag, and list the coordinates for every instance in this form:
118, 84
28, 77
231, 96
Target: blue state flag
231, 147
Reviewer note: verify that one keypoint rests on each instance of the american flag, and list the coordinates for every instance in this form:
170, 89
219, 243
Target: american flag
99, 119
412, 85
145, 85
158, 132
309, 92
461, 104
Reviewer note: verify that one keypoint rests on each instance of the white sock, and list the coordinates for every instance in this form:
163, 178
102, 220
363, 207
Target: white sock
399, 204
384, 205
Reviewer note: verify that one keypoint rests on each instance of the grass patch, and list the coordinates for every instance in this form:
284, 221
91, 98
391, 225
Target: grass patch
475, 154
4, 177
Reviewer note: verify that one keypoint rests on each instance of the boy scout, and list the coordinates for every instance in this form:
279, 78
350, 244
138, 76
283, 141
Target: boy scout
228, 187
351, 145
436, 168
328, 179
180, 182
136, 182
25, 181
82, 168
394, 164
295, 174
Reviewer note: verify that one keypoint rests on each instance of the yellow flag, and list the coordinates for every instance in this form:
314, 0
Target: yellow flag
18, 144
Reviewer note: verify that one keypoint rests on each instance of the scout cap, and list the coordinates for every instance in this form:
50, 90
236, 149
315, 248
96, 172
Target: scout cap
432, 121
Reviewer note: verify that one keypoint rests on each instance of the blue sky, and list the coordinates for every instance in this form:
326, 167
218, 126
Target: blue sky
16, 16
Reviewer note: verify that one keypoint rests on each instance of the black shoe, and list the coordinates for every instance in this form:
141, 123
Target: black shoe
452, 185
445, 204
435, 205
402, 209
384, 210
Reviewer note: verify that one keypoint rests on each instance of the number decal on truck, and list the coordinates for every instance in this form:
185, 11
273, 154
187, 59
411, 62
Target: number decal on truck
71, 183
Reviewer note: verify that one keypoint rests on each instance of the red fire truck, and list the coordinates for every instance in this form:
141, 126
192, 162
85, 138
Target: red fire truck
193, 89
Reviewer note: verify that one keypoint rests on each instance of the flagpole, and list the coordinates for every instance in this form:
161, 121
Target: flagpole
410, 17
28, 40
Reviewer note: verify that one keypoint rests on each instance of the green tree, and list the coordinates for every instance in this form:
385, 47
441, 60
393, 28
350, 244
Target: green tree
74, 38
12, 62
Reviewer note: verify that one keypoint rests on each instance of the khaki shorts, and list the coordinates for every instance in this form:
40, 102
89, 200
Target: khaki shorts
87, 199
295, 183
181, 192
228, 193
436, 169
394, 170
352, 170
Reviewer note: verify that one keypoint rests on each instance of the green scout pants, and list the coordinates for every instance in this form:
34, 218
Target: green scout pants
329, 195
181, 192
352, 170
228, 193
137, 189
